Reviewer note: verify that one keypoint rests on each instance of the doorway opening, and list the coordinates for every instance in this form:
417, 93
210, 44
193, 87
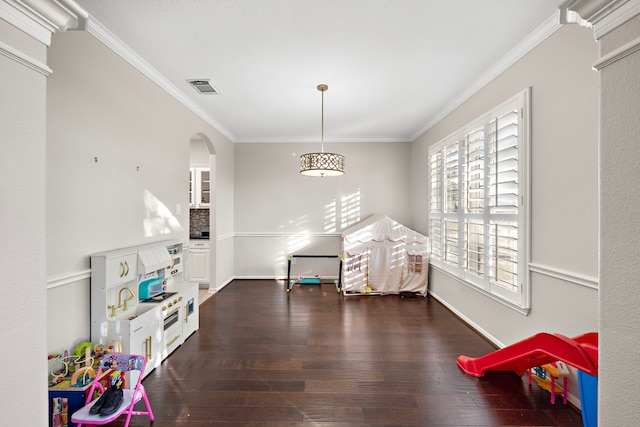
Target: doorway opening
202, 211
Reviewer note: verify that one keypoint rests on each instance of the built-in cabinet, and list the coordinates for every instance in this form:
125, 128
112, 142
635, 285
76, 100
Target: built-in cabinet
198, 264
152, 328
199, 188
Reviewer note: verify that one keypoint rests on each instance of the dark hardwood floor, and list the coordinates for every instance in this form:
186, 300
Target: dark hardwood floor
263, 357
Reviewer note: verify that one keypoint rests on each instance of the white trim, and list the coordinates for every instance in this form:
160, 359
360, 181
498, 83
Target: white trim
521, 299
565, 275
493, 296
260, 278
222, 286
41, 18
592, 10
616, 18
25, 60
550, 26
21, 19
468, 321
288, 234
617, 54
68, 279
119, 48
251, 140
603, 15
493, 340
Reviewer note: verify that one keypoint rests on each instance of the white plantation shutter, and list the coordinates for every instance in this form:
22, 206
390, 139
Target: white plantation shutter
451, 169
435, 205
477, 189
503, 163
474, 236
503, 198
475, 170
452, 199
474, 163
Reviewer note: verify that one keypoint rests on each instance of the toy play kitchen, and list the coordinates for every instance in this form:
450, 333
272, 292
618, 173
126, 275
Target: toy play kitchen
140, 300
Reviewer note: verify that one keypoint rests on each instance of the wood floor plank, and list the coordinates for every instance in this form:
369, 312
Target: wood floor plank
263, 357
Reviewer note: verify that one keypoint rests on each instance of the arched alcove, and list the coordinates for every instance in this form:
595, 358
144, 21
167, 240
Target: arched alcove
203, 154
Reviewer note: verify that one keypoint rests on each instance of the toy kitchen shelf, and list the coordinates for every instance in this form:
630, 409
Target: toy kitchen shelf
153, 327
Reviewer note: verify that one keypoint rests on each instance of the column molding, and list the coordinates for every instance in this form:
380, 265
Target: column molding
41, 18
24, 59
618, 54
603, 15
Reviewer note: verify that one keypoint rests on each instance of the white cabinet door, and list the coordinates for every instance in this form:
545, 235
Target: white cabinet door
199, 266
121, 269
199, 188
204, 195
192, 188
144, 339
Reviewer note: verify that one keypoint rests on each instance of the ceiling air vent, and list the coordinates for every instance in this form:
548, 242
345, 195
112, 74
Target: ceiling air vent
204, 86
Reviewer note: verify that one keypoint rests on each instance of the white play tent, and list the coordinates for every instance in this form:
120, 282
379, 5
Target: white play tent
383, 256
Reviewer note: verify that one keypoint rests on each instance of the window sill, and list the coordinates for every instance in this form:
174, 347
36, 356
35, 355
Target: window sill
522, 310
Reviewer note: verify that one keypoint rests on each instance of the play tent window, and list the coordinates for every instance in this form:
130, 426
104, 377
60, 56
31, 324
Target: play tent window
478, 202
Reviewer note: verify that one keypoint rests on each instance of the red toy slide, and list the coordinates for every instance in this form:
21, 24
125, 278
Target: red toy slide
581, 352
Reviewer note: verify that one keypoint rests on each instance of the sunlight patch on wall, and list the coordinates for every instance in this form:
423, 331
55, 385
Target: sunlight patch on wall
158, 218
350, 209
296, 239
330, 217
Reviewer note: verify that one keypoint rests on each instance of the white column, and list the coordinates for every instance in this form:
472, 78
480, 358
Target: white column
25, 33
616, 27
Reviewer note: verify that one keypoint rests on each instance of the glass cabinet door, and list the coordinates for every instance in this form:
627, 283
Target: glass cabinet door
192, 189
205, 188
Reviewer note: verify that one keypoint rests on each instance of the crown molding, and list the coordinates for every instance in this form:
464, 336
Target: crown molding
110, 40
41, 18
603, 15
314, 140
550, 26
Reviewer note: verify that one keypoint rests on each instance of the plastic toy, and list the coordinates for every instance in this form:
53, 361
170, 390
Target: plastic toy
581, 352
547, 377
122, 363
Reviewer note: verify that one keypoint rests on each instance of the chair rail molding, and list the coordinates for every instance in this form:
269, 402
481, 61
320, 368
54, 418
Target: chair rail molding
54, 282
603, 15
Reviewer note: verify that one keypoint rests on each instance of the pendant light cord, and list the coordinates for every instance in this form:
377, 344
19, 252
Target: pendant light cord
322, 126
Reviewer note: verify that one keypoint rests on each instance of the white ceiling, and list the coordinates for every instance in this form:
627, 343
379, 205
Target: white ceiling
393, 66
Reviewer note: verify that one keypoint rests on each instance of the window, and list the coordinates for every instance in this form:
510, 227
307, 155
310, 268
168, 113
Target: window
478, 202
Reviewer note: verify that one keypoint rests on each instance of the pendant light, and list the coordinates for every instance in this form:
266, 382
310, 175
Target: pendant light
322, 164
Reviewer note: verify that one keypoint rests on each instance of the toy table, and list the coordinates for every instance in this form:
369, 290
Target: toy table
76, 396
547, 377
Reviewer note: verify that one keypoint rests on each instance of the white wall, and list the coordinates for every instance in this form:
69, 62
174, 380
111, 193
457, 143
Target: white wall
117, 169
22, 228
198, 154
278, 211
564, 192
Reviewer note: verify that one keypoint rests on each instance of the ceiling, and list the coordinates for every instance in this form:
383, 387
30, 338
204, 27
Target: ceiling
393, 67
